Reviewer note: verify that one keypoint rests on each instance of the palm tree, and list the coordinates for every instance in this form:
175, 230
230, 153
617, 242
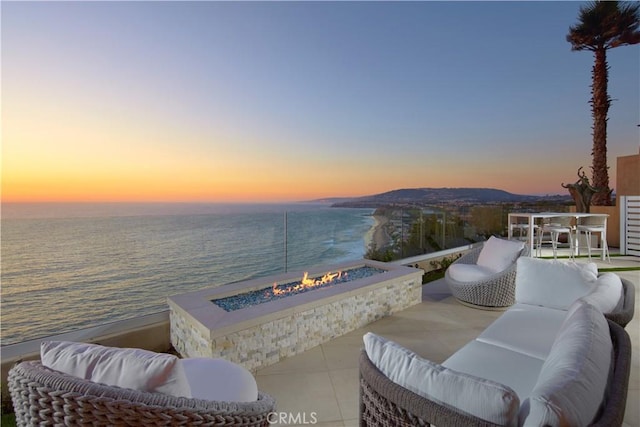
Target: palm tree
603, 25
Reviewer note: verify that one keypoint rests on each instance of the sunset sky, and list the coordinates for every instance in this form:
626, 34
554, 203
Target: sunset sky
284, 101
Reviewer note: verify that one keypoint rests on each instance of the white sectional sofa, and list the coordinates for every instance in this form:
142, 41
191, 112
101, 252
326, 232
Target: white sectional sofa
552, 359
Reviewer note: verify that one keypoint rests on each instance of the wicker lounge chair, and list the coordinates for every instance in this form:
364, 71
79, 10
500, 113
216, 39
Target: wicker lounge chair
42, 396
385, 403
495, 291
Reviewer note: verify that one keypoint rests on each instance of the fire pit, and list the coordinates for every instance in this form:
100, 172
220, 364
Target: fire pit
247, 299
301, 311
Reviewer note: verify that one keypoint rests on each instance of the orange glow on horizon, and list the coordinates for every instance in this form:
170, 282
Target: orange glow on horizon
98, 162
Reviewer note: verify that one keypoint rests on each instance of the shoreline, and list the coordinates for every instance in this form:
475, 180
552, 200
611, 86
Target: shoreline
377, 235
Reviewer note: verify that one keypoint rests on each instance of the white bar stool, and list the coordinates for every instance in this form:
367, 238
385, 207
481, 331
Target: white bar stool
561, 225
588, 226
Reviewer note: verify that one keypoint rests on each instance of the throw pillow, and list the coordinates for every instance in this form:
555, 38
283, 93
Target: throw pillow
553, 284
498, 254
123, 367
472, 395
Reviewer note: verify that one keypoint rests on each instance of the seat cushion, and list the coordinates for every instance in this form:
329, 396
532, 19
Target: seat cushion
573, 379
469, 272
553, 284
498, 254
511, 368
607, 295
472, 395
123, 367
527, 329
219, 379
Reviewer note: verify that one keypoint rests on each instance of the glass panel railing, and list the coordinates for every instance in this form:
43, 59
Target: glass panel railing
424, 230
64, 272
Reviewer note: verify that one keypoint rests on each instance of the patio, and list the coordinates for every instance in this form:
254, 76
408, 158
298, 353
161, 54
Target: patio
322, 383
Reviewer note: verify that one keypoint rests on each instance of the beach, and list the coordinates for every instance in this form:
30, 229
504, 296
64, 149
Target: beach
378, 237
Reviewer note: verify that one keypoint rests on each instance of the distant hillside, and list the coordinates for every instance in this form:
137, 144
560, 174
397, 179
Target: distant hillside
434, 196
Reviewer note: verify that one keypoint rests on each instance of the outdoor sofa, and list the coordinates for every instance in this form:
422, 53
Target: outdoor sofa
551, 359
86, 384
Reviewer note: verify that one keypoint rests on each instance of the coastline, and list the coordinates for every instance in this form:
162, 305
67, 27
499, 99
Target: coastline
377, 236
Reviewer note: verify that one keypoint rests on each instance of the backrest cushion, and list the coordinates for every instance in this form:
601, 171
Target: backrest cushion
573, 379
553, 284
123, 367
475, 396
607, 295
498, 254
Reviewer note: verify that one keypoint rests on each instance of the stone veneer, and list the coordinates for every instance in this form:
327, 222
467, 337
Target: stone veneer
263, 334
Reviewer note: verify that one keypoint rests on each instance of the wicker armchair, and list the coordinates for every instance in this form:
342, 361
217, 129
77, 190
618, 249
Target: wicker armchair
386, 404
42, 396
495, 291
624, 315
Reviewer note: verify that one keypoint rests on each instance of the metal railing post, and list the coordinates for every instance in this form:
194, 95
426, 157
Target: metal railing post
285, 241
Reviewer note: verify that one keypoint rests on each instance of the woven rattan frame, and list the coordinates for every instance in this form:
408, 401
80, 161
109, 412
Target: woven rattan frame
624, 315
387, 404
495, 291
42, 396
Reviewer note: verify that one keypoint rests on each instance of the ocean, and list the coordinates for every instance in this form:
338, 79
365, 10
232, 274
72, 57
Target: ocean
71, 266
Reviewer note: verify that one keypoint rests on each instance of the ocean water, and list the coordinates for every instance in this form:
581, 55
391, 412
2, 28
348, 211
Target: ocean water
70, 266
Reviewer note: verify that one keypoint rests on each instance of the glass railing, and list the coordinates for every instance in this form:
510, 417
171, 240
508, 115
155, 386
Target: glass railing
408, 232
64, 272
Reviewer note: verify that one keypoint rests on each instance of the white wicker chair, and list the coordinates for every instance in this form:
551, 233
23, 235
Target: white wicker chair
496, 291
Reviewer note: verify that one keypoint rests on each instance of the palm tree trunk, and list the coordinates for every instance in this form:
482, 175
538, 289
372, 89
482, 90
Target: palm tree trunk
600, 102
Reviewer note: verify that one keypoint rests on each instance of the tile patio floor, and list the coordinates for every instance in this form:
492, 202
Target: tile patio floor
322, 383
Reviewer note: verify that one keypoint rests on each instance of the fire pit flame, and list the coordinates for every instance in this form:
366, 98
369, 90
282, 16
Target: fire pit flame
307, 283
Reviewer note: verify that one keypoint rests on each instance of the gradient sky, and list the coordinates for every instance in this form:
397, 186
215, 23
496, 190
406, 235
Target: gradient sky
280, 101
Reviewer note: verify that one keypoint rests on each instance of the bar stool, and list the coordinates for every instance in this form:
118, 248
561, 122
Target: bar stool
594, 224
523, 230
561, 225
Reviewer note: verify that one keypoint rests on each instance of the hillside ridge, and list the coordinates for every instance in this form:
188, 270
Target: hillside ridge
431, 196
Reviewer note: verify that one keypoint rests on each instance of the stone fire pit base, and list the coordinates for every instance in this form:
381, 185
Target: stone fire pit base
263, 334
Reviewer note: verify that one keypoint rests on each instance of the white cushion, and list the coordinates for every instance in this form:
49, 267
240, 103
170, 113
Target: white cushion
607, 295
469, 272
475, 396
123, 367
552, 283
573, 379
528, 329
512, 369
498, 254
219, 379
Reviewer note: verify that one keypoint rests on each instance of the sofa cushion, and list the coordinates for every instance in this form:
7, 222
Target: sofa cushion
498, 254
607, 295
472, 395
528, 329
123, 367
469, 272
553, 284
573, 379
514, 370
219, 379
